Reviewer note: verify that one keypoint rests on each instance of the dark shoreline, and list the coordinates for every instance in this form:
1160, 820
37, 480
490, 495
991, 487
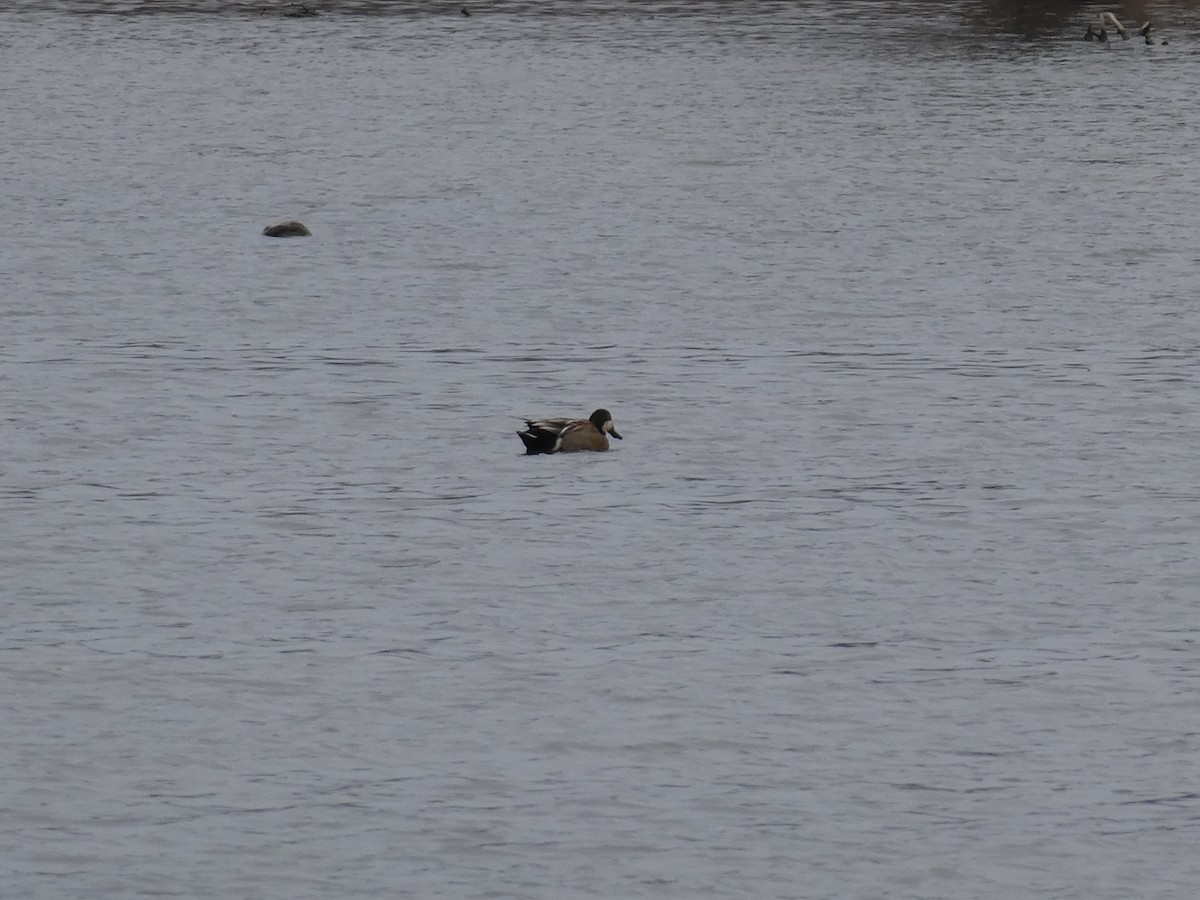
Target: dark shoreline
1025, 18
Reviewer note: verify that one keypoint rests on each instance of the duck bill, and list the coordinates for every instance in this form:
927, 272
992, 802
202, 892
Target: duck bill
613, 432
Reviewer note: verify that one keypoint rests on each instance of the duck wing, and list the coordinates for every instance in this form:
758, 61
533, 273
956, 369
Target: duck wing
550, 426
546, 435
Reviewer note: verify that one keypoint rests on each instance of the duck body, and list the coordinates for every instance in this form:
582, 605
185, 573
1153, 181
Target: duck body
568, 435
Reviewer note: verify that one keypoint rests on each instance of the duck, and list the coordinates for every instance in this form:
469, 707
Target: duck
568, 435
291, 228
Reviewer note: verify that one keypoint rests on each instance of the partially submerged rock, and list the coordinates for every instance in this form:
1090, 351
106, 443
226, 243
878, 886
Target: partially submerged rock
292, 11
291, 228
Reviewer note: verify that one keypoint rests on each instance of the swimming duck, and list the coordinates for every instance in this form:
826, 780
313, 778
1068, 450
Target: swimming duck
568, 435
290, 228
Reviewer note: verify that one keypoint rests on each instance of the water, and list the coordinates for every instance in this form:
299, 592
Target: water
888, 592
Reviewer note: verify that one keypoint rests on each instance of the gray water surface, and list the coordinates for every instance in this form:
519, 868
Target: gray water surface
890, 590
